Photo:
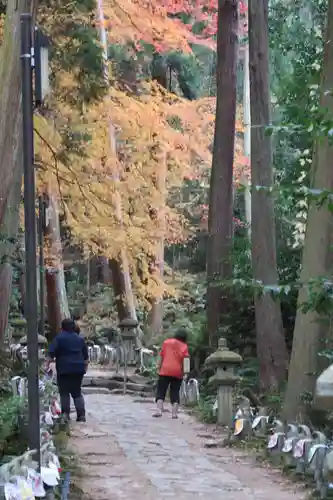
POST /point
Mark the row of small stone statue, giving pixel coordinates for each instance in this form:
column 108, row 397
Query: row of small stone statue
column 19, row 352
column 308, row 452
column 19, row 478
column 106, row 355
column 114, row 356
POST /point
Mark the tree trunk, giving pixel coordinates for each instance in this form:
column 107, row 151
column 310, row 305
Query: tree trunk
column 6, row 273
column 311, row 334
column 88, row 286
column 10, row 147
column 155, row 317
column 271, row 346
column 119, row 290
column 124, row 264
column 9, row 241
column 105, row 271
column 22, row 291
column 93, row 271
column 55, row 278
column 10, row 97
column 220, row 225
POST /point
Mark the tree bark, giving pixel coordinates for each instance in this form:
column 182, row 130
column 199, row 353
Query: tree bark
column 8, row 235
column 93, row 271
column 155, row 317
column 10, row 147
column 88, row 286
column 105, row 270
column 311, row 334
column 55, row 278
column 271, row 346
column 10, row 97
column 22, row 290
column 119, row 289
column 220, row 221
column 123, row 259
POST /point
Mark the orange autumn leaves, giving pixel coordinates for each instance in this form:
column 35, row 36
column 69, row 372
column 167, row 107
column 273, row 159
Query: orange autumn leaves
column 151, row 119
column 183, row 131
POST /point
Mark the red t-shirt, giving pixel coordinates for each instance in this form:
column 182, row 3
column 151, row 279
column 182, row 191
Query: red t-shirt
column 173, row 353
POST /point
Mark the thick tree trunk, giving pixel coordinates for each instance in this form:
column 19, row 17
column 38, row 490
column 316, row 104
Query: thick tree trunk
column 271, row 346
column 220, row 226
column 10, row 146
column 10, row 97
column 55, row 278
column 310, row 334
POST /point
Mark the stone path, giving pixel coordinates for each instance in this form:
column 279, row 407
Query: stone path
column 124, row 453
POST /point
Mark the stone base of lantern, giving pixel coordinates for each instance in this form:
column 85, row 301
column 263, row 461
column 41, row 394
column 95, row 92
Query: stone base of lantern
column 225, row 405
column 224, row 383
column 224, row 380
column 129, row 347
column 225, row 390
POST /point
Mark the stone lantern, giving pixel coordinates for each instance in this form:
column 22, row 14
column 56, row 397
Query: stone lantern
column 128, row 333
column 224, row 363
column 42, row 346
column 18, row 328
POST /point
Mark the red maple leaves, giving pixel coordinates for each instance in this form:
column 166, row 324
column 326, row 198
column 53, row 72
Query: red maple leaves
column 200, row 11
column 167, row 24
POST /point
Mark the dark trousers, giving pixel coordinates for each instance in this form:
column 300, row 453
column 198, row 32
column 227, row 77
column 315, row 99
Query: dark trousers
column 164, row 383
column 69, row 384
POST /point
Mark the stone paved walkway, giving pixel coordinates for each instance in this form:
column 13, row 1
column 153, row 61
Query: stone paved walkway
column 125, row 453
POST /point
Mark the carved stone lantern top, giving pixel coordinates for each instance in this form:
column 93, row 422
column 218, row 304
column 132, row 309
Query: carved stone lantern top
column 223, row 356
column 18, row 326
column 127, row 327
column 223, row 361
column 128, row 323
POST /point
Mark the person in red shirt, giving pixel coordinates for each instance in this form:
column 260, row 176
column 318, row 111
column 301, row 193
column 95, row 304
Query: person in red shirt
column 171, row 366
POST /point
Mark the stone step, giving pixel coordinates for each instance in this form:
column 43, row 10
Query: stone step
column 95, row 390
column 111, row 383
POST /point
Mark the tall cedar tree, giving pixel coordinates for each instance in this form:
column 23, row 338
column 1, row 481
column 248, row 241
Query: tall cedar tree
column 271, row 346
column 220, row 222
column 311, row 335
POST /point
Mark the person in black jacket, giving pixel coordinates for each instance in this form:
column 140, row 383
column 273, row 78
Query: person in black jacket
column 70, row 353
